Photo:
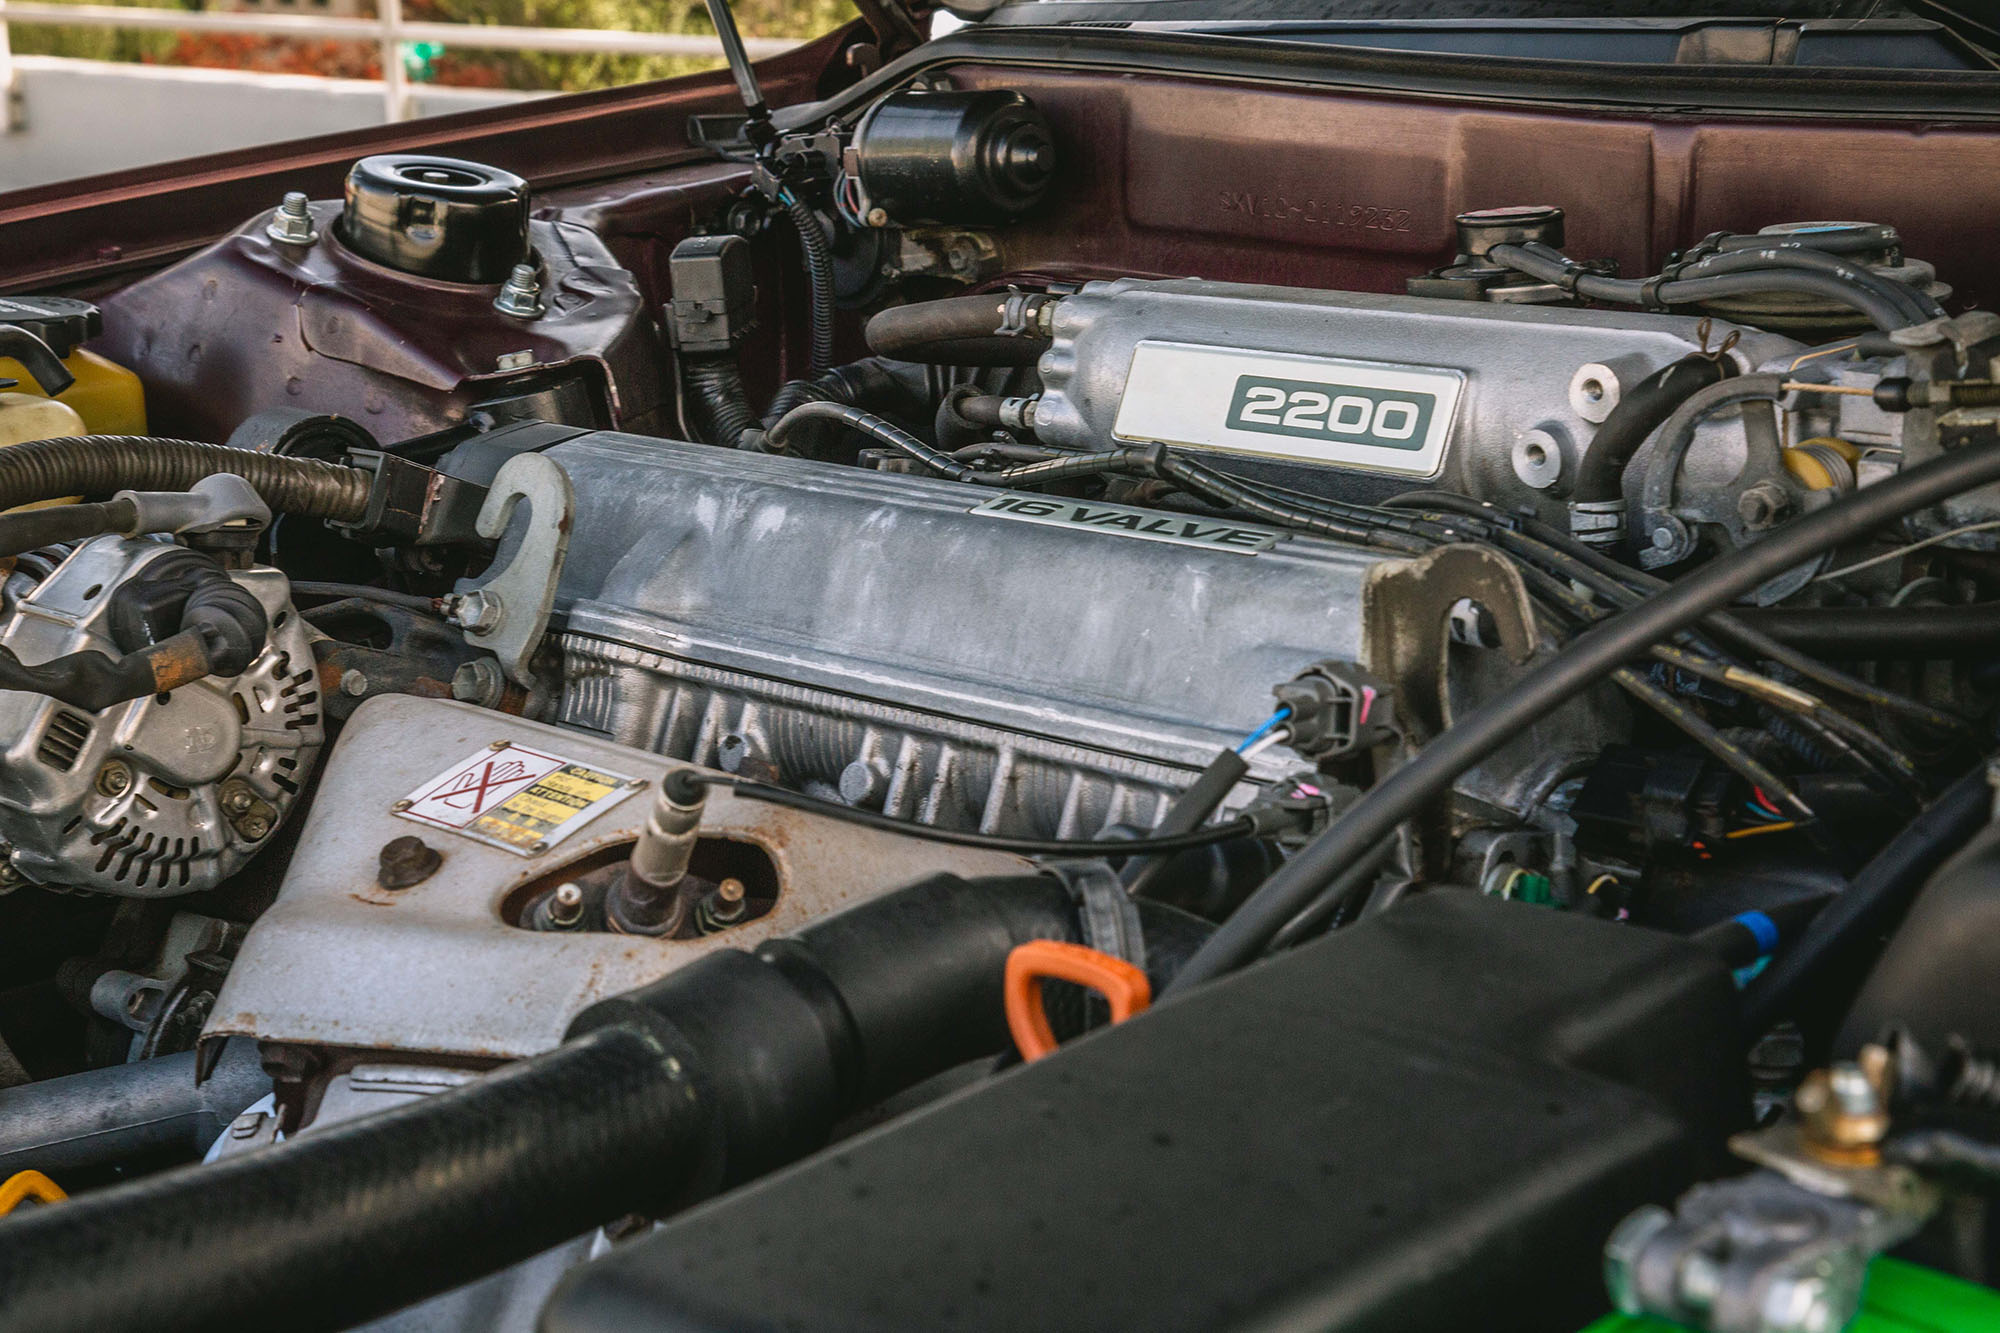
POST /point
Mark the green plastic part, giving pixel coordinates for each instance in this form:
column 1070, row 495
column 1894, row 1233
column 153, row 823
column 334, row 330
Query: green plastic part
column 1900, row 1298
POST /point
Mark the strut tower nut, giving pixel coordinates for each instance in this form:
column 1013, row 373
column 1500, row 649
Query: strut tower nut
column 407, row 861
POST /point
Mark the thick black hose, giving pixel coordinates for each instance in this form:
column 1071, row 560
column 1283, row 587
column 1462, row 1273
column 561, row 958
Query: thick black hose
column 97, row 464
column 957, row 331
column 1590, row 658
column 1874, row 633
column 1640, row 411
column 32, row 529
column 721, row 408
column 1821, row 972
column 818, row 258
column 51, row 376
column 343, row 1223
column 1551, row 266
column 724, row 1069
column 1916, row 306
column 148, row 1111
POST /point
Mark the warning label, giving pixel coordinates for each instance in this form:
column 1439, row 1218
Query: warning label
column 517, row 798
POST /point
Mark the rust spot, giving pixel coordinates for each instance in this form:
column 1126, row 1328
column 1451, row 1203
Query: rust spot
column 176, row 662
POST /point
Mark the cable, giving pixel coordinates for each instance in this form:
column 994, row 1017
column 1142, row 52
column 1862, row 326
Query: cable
column 1270, row 725
column 818, row 259
column 364, row 592
column 1594, row 655
column 1900, row 551
column 1242, row 826
column 1276, row 738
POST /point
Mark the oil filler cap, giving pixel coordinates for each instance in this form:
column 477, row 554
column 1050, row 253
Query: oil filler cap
column 436, row 217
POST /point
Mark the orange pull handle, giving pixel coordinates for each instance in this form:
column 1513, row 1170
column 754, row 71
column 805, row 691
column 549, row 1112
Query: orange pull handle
column 1122, row 984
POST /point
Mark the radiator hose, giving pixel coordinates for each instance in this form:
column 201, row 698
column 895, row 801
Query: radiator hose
column 737, row 1063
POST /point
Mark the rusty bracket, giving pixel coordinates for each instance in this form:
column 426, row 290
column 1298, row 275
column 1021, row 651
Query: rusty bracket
column 1407, row 609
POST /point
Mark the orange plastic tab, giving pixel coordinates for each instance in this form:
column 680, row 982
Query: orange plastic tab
column 24, row 1185
column 1120, row 983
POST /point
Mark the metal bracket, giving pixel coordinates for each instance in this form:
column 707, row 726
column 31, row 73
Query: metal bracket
column 1406, row 616
column 507, row 612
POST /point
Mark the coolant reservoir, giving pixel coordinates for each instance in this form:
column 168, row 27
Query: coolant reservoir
column 26, row 416
column 106, row 396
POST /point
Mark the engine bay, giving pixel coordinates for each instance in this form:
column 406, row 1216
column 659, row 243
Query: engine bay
column 593, row 692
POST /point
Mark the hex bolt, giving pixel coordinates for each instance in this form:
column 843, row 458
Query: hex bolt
column 475, row 612
column 1761, row 505
column 521, row 295
column 237, row 799
column 406, row 862
column 480, row 682
column 292, row 224
column 114, row 779
column 566, row 905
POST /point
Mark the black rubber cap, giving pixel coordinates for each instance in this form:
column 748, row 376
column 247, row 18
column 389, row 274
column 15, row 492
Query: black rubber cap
column 436, row 217
column 59, row 321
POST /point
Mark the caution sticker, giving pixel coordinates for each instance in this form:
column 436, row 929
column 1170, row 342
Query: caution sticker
column 513, row 797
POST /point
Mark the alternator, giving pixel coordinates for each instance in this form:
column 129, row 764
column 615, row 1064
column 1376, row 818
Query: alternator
column 166, row 794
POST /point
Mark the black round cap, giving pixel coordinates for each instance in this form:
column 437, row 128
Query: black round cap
column 436, row 217
column 60, row 322
column 1482, row 229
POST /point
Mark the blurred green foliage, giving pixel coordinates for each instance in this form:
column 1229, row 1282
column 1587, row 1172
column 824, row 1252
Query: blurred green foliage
column 464, row 64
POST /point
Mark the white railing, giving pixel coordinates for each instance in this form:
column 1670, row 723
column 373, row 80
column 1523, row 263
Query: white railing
column 388, row 30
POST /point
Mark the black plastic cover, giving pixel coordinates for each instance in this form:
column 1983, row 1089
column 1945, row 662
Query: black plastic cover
column 436, row 217
column 1430, row 1121
column 970, row 157
column 60, row 321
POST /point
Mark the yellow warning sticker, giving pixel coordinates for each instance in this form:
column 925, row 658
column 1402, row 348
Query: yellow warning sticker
column 517, row 798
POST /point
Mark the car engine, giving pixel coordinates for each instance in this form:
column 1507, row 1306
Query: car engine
column 581, row 691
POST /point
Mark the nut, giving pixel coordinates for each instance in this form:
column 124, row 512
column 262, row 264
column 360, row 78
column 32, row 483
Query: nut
column 1761, row 505
column 292, row 223
column 114, row 779
column 1843, row 1115
column 566, row 904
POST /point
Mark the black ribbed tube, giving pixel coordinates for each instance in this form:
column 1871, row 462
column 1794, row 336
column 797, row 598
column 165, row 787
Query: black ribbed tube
column 721, row 409
column 1591, row 657
column 96, row 464
column 354, row 1220
column 51, row 376
column 818, row 258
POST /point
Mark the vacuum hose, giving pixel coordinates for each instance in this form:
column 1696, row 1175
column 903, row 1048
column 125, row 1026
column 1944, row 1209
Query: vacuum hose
column 730, row 1066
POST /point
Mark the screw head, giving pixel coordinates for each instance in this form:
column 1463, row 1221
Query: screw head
column 499, row 745
column 538, row 848
column 877, row 217
column 114, row 779
column 399, row 806
column 254, row 827
column 354, row 682
column 730, row 891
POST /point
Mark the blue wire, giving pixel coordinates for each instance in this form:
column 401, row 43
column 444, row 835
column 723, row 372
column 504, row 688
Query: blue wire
column 1264, row 730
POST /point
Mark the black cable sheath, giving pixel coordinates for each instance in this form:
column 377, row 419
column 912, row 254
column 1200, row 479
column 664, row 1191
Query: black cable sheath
column 1594, row 655
column 100, row 464
column 818, row 258
column 1864, row 633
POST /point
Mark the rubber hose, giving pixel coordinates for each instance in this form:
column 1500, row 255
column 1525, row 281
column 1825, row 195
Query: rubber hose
column 339, row 1224
column 51, row 376
column 1600, row 475
column 96, row 464
column 818, row 257
column 1554, row 267
column 1587, row 660
column 1874, row 633
column 730, row 1066
column 1817, row 977
column 957, row 331
column 32, row 529
column 722, row 410
column 1917, row 306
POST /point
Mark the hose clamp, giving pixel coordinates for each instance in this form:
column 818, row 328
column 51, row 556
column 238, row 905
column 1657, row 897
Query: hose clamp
column 1105, row 911
column 1597, row 523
